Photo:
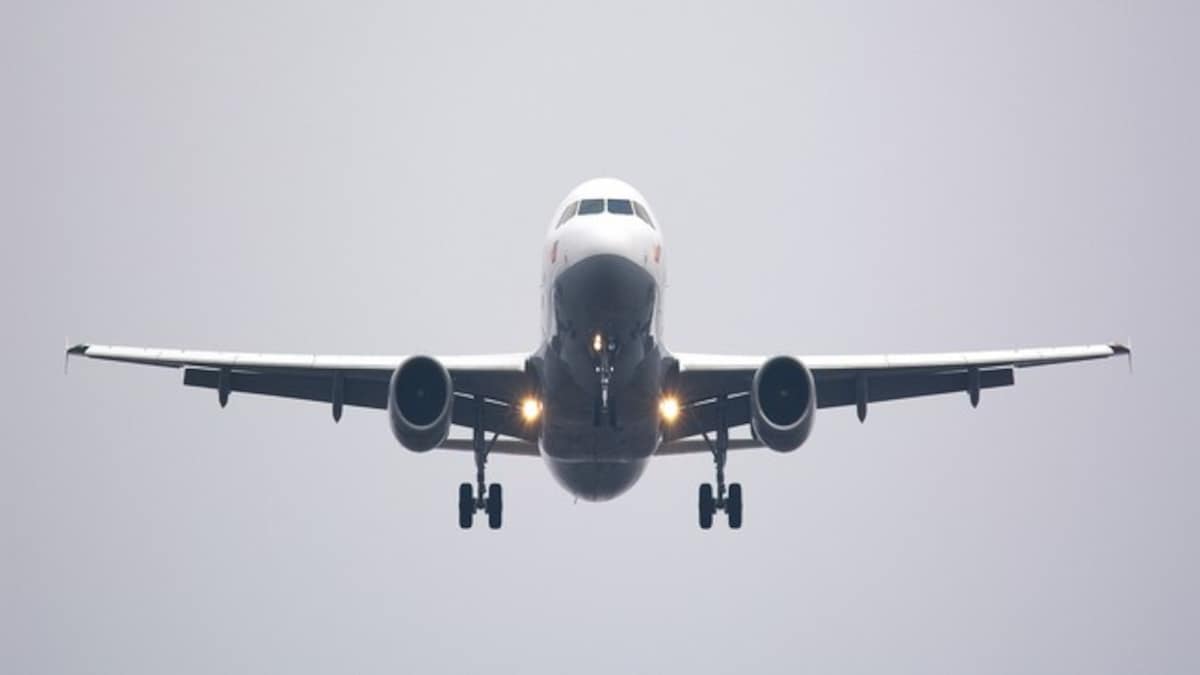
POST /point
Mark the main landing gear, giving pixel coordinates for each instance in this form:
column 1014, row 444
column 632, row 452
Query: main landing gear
column 729, row 501
column 489, row 499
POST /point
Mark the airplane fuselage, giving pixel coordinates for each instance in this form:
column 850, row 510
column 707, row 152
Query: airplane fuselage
column 602, row 357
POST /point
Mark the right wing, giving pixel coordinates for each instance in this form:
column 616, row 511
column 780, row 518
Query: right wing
column 860, row 380
column 498, row 380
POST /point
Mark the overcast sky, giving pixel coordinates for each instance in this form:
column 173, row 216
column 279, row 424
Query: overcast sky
column 831, row 178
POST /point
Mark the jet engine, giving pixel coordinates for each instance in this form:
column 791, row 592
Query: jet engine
column 420, row 402
column 783, row 398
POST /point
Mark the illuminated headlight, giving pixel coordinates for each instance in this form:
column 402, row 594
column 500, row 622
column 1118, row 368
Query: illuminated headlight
column 531, row 409
column 668, row 408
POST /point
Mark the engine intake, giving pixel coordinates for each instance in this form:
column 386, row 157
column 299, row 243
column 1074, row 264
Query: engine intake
column 420, row 402
column 783, row 397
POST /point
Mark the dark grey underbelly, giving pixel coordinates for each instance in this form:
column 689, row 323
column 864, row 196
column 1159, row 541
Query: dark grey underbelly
column 596, row 481
column 598, row 456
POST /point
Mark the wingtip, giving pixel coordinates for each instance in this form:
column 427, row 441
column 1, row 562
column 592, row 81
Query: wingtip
column 68, row 350
column 1125, row 348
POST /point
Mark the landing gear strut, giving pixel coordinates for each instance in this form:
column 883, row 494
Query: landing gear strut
column 482, row 498
column 604, row 410
column 727, row 500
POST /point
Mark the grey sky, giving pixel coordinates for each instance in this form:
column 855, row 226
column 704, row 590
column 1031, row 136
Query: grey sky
column 832, row 177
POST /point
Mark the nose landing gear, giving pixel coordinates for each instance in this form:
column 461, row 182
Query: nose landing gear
column 604, row 410
column 729, row 501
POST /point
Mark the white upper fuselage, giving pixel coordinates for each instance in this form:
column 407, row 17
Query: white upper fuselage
column 607, row 232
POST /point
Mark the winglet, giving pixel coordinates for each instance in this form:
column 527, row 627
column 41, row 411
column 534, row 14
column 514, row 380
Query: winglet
column 72, row 350
column 1125, row 348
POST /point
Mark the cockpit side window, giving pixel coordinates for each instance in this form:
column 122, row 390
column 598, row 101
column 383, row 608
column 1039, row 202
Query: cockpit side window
column 621, row 207
column 588, row 207
column 567, row 213
column 641, row 213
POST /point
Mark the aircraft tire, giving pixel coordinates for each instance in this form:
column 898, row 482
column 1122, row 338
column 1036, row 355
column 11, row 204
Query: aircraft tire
column 733, row 506
column 466, row 506
column 707, row 506
column 495, row 506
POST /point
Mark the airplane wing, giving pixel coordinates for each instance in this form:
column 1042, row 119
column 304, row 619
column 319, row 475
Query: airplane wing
column 499, row 379
column 859, row 380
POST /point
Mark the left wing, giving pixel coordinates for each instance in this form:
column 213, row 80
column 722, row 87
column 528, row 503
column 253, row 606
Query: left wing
column 499, row 380
column 861, row 380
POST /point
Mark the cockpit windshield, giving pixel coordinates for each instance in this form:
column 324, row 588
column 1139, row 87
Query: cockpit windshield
column 641, row 213
column 567, row 213
column 588, row 207
column 620, row 207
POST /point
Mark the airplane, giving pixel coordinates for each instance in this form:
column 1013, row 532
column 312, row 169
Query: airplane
column 602, row 394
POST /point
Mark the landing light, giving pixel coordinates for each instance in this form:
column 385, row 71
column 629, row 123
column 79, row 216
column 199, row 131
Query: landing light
column 668, row 407
column 531, row 408
column 598, row 343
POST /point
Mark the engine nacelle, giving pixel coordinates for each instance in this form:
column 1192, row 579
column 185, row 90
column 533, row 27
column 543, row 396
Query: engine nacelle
column 783, row 399
column 420, row 403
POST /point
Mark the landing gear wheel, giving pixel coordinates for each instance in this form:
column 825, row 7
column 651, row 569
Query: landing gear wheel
column 480, row 497
column 495, row 506
column 726, row 499
column 466, row 506
column 708, row 506
column 733, row 506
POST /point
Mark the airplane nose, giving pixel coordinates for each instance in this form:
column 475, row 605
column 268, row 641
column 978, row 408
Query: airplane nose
column 606, row 236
